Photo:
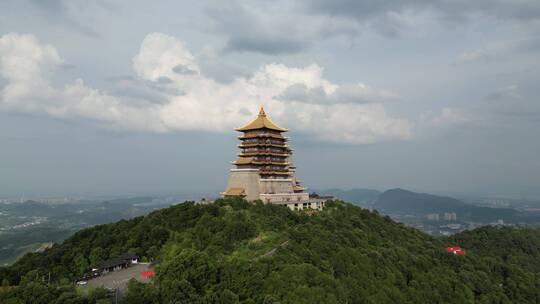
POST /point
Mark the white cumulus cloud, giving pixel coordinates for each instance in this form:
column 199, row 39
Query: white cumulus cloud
column 447, row 117
column 351, row 113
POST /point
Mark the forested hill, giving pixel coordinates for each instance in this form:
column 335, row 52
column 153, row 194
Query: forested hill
column 513, row 247
column 232, row 251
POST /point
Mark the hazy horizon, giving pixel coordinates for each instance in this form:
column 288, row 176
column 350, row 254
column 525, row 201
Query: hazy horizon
column 108, row 98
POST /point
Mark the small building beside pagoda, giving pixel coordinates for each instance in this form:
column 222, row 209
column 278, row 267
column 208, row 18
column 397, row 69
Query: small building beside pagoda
column 264, row 169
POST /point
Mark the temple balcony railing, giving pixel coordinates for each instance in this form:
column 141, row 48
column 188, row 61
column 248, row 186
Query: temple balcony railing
column 263, row 144
column 263, row 135
column 258, row 153
column 274, row 172
column 261, row 163
column 264, row 150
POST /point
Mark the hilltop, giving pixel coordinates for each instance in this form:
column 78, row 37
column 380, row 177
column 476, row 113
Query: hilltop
column 232, row 251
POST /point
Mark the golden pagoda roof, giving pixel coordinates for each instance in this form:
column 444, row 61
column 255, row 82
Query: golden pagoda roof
column 261, row 122
column 244, row 160
column 235, row 192
column 298, row 188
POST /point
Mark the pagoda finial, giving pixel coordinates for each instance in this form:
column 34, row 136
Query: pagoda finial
column 261, row 112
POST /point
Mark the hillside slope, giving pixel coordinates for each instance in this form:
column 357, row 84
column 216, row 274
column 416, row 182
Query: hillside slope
column 24, row 226
column 235, row 252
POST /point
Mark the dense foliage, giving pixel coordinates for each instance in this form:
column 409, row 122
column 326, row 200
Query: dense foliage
column 236, row 252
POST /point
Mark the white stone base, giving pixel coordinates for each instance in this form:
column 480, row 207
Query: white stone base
column 270, row 191
column 304, row 205
column 286, row 198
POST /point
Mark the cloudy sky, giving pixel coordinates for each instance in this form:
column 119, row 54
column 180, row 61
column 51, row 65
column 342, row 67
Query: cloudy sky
column 127, row 97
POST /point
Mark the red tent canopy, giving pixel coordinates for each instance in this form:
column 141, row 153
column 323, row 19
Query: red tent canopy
column 455, row 250
column 460, row 252
column 147, row 274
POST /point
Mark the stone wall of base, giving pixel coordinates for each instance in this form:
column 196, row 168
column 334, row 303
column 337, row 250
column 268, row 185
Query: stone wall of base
column 276, row 185
column 270, row 191
column 246, row 179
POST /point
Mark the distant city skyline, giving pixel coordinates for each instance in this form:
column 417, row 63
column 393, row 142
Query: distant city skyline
column 109, row 98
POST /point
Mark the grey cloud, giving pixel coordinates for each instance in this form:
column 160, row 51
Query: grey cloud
column 282, row 31
column 302, row 93
column 529, row 45
column 266, row 45
column 67, row 66
column 356, row 9
column 480, row 55
column 291, row 31
column 58, row 12
column 142, row 91
column 517, row 111
column 246, row 32
column 501, row 50
column 390, row 25
column 507, row 106
column 348, row 93
column 511, row 102
column 164, row 80
column 383, row 16
column 244, row 111
column 184, row 70
column 457, row 10
column 221, row 71
column 505, row 93
column 287, row 30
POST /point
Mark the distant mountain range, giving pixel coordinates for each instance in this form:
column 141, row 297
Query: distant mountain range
column 404, row 202
column 360, row 197
column 399, row 201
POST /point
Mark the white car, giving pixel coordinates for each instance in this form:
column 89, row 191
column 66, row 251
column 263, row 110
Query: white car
column 82, row 283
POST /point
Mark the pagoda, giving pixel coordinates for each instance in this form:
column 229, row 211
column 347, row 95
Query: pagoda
column 264, row 169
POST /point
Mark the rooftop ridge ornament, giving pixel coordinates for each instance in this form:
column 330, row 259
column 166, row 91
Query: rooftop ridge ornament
column 261, row 112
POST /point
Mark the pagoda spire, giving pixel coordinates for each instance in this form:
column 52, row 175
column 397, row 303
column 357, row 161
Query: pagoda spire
column 261, row 112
